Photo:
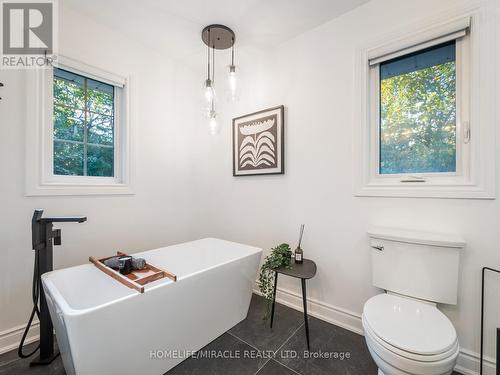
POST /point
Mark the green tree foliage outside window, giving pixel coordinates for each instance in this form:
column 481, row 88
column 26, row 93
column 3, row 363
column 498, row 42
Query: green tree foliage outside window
column 418, row 113
column 83, row 126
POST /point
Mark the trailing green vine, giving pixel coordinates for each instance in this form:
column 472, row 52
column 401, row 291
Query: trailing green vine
column 280, row 257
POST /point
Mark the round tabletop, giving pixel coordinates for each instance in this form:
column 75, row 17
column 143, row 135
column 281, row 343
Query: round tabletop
column 306, row 270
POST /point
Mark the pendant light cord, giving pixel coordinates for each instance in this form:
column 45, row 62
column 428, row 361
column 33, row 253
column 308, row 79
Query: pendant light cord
column 213, row 75
column 213, row 64
column 232, row 53
column 208, row 55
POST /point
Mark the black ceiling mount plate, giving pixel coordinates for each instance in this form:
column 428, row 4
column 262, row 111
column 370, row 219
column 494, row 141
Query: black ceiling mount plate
column 221, row 37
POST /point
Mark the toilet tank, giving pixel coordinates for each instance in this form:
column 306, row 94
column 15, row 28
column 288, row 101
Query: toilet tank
column 416, row 264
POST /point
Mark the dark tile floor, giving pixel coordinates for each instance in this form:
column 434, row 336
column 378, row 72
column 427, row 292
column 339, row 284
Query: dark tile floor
column 253, row 348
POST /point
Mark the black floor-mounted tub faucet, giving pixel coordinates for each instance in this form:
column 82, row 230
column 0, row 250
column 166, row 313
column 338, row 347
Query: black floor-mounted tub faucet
column 44, row 237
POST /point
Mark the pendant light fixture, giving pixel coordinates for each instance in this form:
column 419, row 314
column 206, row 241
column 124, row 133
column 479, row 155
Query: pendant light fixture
column 217, row 37
column 209, row 87
column 232, row 81
column 213, row 125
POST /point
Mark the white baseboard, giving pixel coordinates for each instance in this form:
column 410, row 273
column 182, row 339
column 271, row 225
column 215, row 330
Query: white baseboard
column 10, row 338
column 321, row 310
column 467, row 363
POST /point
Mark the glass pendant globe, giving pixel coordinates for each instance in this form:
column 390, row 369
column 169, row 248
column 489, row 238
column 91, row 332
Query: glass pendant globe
column 232, row 84
column 213, row 125
column 209, row 91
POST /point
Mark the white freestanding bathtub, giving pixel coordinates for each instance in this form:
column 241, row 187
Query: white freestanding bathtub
column 104, row 327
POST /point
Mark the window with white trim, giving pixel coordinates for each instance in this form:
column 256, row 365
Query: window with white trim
column 78, row 132
column 417, row 137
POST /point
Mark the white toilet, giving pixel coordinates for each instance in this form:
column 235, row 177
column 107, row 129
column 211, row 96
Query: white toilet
column 405, row 332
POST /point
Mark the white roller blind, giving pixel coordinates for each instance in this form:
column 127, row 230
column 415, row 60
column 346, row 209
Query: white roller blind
column 90, row 71
column 445, row 33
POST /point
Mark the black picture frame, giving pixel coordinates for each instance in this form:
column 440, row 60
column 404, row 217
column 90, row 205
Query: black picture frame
column 279, row 152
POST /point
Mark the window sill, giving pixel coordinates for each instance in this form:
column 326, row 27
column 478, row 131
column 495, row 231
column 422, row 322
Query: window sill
column 425, row 190
column 59, row 189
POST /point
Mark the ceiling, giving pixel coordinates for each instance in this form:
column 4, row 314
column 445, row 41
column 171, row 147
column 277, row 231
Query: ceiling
column 174, row 26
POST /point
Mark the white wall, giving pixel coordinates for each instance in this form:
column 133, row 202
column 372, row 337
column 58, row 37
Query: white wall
column 160, row 213
column 313, row 76
column 184, row 183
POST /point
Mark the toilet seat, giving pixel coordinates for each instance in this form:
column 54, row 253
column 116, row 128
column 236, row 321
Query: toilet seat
column 402, row 364
column 410, row 325
column 392, row 366
column 408, row 336
column 412, row 356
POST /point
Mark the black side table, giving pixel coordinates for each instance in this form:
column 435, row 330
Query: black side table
column 303, row 271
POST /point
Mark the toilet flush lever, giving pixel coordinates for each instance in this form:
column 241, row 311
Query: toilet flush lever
column 378, row 247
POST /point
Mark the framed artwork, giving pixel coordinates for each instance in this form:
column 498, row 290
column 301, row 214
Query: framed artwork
column 258, row 143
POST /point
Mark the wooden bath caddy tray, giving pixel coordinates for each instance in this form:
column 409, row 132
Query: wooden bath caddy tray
column 137, row 278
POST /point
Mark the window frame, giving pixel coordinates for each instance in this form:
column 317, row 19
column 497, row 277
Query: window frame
column 474, row 177
column 40, row 177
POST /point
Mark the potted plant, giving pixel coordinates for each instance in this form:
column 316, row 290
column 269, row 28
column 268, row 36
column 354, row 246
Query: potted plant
column 280, row 257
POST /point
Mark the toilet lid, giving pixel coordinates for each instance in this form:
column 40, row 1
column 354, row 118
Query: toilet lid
column 410, row 325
